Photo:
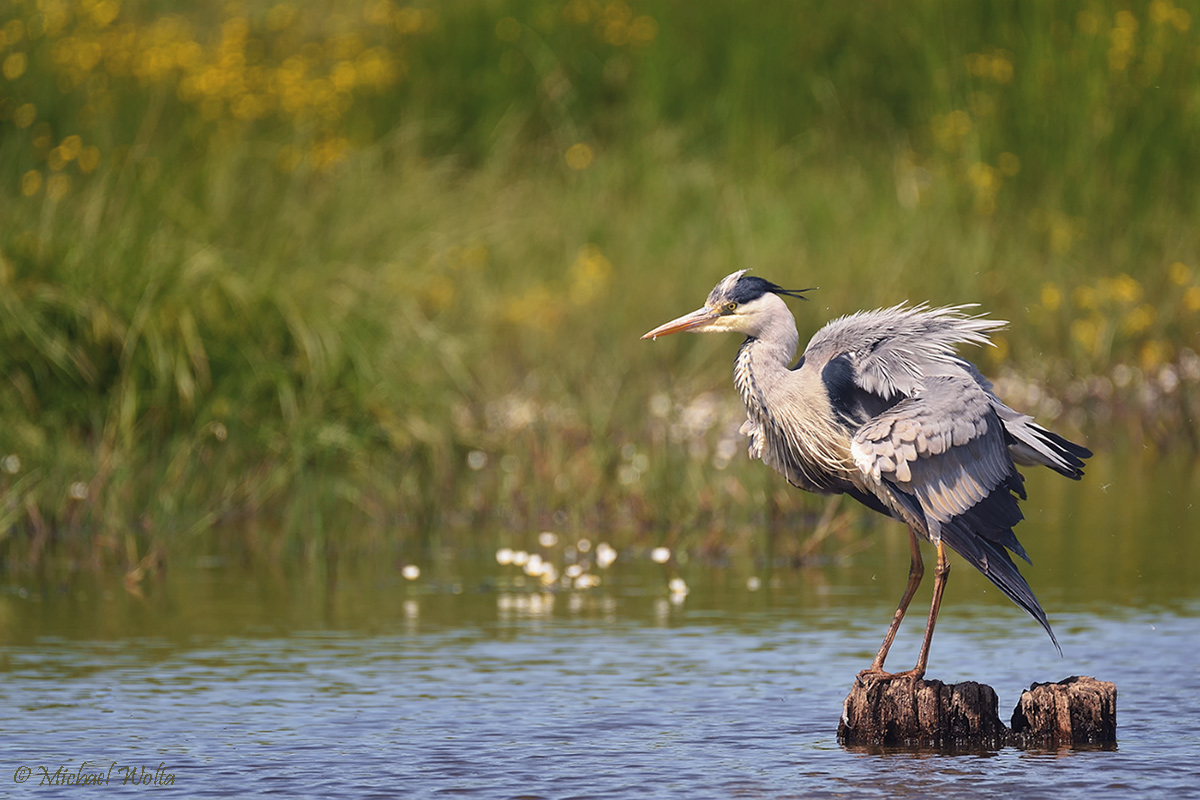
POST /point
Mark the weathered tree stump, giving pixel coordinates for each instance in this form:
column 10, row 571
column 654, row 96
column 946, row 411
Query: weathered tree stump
column 924, row 714
column 1078, row 710
column 921, row 714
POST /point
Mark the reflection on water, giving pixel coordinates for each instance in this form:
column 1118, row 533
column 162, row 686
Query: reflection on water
column 467, row 683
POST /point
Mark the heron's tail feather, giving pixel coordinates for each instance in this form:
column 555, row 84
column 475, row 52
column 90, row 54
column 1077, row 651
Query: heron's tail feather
column 1067, row 456
column 1033, row 446
column 992, row 560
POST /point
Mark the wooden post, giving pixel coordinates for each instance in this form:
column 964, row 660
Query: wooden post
column 923, row 714
column 1078, row 710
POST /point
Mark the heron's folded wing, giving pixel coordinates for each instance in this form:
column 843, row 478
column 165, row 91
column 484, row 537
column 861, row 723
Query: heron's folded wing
column 945, row 447
column 942, row 455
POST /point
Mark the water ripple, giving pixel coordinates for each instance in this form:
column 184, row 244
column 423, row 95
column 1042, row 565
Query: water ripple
column 566, row 708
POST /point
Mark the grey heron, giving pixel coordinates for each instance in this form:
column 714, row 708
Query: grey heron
column 881, row 407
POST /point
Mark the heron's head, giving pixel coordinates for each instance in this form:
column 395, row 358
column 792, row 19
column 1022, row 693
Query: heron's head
column 740, row 303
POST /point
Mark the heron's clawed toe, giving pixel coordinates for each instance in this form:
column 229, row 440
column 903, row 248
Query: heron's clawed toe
column 873, row 675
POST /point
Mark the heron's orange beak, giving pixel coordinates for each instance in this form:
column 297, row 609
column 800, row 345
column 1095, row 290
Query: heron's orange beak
column 688, row 322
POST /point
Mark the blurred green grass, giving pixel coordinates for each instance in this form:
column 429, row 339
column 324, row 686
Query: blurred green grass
column 354, row 273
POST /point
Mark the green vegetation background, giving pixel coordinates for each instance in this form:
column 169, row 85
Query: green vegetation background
column 304, row 275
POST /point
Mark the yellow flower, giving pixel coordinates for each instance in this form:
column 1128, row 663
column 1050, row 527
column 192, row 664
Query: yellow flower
column 949, row 130
column 1087, row 22
column 57, row 186
column 1085, row 297
column 14, row 65
column 986, row 180
column 580, row 12
column 1162, row 12
column 996, row 66
column 590, row 273
column 1086, row 332
column 328, row 152
column 1179, row 273
column 439, row 292
column 643, row 30
column 12, row 32
column 381, row 12
column 580, row 156
column 474, row 256
column 536, row 307
column 104, row 12
column 31, row 183
column 71, row 147
column 89, row 159
column 56, row 160
column 1062, row 234
column 1124, row 288
column 413, row 20
column 344, row 77
column 1154, row 354
column 984, row 177
column 1122, row 43
column 1051, row 297
column 1139, row 319
column 1002, row 68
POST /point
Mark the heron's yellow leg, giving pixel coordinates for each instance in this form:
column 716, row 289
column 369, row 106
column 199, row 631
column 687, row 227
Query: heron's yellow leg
column 916, row 571
column 940, row 574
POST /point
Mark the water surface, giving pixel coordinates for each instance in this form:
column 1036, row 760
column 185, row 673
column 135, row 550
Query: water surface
column 469, row 683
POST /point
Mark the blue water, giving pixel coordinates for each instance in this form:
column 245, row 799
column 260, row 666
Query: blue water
column 603, row 694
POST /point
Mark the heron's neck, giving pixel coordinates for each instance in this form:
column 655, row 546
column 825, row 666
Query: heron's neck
column 766, row 355
column 760, row 363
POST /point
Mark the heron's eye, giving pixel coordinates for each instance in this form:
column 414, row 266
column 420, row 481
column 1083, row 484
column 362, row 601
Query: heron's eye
column 731, row 306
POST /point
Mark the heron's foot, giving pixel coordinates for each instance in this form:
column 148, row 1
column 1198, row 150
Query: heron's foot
column 874, row 674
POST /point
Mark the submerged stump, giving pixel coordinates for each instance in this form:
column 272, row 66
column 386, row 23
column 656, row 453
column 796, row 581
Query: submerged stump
column 923, row 714
column 1078, row 710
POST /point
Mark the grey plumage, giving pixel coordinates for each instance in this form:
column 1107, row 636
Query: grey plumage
column 880, row 406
